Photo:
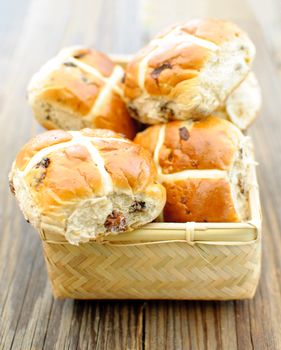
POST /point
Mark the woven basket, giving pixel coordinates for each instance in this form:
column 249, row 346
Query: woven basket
column 217, row 261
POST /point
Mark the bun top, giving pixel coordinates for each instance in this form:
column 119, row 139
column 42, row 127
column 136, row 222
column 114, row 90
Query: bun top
column 60, row 168
column 195, row 65
column 76, row 75
column 204, row 168
column 86, row 83
column 179, row 53
column 210, row 143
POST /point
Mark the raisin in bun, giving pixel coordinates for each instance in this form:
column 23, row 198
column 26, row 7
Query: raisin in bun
column 243, row 104
column 86, row 183
column 187, row 71
column 203, row 166
column 80, row 88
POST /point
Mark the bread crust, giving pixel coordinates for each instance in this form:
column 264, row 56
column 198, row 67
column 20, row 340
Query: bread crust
column 188, row 71
column 203, row 148
column 203, row 166
column 84, row 183
column 80, row 88
column 201, row 200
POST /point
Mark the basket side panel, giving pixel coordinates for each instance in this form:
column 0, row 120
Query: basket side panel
column 158, row 271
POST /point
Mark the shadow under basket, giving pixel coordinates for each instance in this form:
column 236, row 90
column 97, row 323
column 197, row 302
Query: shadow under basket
column 216, row 261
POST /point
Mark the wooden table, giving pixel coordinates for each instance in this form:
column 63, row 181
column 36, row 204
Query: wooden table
column 31, row 31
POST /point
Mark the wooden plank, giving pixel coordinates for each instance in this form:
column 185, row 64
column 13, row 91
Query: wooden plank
column 29, row 317
column 265, row 310
column 10, row 29
column 94, row 325
column 21, row 303
column 157, row 14
column 268, row 14
column 190, row 325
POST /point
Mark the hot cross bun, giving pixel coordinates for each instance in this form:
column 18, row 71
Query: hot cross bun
column 188, row 71
column 204, row 168
column 80, row 88
column 82, row 184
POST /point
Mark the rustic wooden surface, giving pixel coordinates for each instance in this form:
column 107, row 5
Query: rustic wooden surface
column 32, row 31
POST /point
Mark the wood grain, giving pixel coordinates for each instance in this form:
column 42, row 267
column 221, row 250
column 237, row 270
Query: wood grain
column 32, row 31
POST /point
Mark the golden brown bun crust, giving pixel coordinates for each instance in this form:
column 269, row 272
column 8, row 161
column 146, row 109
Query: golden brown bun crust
column 185, row 68
column 183, row 63
column 102, row 133
column 201, row 200
column 203, row 149
column 210, row 145
column 148, row 138
column 75, row 88
column 114, row 116
column 129, row 165
column 96, row 59
column 86, row 183
column 71, row 175
column 39, row 142
column 67, row 86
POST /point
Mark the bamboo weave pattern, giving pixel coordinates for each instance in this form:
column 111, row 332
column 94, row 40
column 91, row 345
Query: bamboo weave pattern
column 158, row 271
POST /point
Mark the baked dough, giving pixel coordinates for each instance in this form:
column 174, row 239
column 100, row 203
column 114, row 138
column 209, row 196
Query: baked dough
column 188, row 71
column 204, row 168
column 80, row 88
column 83, row 184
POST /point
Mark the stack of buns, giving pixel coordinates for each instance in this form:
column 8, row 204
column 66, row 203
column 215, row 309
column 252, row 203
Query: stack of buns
column 192, row 83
